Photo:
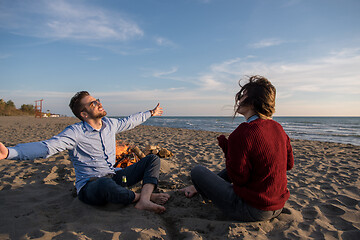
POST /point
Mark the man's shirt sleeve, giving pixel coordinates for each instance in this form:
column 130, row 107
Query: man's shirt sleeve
column 66, row 140
column 132, row 121
column 28, row 151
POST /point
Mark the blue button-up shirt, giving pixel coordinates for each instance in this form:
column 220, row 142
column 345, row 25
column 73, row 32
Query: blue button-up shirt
column 92, row 152
column 252, row 118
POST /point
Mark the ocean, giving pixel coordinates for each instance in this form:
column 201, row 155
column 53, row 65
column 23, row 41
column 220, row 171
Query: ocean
column 327, row 129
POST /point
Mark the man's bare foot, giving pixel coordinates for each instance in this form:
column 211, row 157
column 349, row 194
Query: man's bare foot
column 159, row 198
column 150, row 206
column 189, row 191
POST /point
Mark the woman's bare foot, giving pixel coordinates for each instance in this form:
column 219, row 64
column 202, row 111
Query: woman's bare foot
column 189, row 191
column 150, row 206
column 159, row 198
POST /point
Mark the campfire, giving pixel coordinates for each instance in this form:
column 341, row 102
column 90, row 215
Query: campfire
column 126, row 154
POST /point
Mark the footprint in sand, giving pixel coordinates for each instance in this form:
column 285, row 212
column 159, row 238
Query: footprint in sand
column 348, row 201
column 311, row 212
column 331, row 210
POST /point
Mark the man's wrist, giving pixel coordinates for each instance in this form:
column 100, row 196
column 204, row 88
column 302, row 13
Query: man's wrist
column 152, row 112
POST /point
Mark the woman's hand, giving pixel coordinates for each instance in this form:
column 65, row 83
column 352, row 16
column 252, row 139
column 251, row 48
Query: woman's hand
column 223, row 142
column 221, row 138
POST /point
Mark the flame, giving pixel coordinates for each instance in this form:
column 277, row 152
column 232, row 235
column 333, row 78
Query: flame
column 124, row 155
column 122, row 150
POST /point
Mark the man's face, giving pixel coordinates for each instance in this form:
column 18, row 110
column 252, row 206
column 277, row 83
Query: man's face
column 93, row 107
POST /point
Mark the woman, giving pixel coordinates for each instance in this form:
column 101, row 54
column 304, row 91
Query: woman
column 253, row 187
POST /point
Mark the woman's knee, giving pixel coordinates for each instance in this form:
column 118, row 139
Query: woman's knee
column 198, row 172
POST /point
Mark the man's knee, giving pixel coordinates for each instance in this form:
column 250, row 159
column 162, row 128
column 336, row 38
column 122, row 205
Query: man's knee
column 153, row 159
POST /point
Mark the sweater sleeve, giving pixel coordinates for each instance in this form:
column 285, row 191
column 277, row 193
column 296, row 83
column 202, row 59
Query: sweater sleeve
column 223, row 142
column 237, row 163
column 290, row 155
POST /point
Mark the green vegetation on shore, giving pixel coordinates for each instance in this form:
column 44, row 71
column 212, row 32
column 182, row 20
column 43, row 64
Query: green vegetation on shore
column 9, row 109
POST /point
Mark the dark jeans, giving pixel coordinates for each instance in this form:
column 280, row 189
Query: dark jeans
column 219, row 189
column 109, row 188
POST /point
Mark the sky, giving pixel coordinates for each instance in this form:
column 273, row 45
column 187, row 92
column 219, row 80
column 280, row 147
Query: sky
column 188, row 55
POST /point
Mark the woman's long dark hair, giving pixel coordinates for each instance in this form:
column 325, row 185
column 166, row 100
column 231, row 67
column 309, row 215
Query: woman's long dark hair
column 260, row 95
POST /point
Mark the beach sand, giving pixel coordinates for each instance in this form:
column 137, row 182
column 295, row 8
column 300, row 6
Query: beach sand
column 37, row 199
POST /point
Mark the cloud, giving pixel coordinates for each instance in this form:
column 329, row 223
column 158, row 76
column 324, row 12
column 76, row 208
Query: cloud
column 338, row 72
column 170, row 75
column 266, row 43
column 67, row 20
column 209, row 82
column 164, row 42
column 129, row 101
column 160, row 74
column 202, row 82
column 35, row 94
column 312, row 87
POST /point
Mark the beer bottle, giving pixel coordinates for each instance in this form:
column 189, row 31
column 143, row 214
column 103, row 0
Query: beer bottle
column 124, row 181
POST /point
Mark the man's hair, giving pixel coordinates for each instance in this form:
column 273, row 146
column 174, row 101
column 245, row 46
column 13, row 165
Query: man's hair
column 75, row 103
column 260, row 94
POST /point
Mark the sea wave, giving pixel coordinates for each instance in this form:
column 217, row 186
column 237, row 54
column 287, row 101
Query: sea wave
column 328, row 129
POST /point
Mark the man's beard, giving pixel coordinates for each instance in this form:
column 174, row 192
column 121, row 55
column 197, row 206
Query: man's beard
column 98, row 115
column 101, row 115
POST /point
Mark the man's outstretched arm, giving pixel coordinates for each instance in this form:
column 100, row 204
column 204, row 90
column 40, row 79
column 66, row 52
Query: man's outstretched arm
column 136, row 119
column 43, row 149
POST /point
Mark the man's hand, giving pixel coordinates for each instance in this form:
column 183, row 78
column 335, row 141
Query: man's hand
column 157, row 111
column 3, row 151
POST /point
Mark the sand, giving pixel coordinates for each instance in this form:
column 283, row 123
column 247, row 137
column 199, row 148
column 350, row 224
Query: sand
column 37, row 199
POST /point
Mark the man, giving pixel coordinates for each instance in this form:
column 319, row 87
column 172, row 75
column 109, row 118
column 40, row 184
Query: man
column 92, row 148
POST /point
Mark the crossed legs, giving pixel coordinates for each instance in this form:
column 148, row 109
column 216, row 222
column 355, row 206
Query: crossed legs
column 105, row 190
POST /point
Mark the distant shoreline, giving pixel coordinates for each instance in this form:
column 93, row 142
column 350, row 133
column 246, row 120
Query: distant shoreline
column 64, row 121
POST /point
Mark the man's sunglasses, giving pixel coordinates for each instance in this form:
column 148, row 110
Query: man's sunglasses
column 92, row 104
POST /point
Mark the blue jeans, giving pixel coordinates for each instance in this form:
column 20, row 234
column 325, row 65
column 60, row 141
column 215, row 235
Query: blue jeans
column 109, row 188
column 218, row 188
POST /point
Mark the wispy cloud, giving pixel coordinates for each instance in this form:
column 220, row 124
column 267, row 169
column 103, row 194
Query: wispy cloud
column 266, row 43
column 161, row 74
column 161, row 41
column 171, row 74
column 209, row 82
column 338, row 72
column 67, row 20
column 174, row 100
column 202, row 82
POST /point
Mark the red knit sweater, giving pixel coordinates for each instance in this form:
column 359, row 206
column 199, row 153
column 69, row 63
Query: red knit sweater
column 258, row 154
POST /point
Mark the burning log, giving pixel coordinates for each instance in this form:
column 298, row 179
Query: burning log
column 138, row 152
column 127, row 155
